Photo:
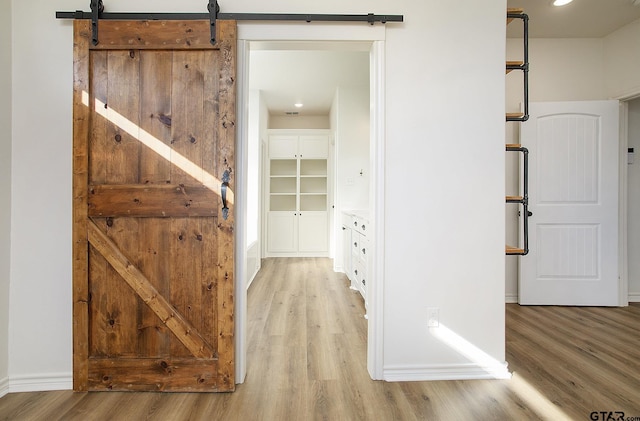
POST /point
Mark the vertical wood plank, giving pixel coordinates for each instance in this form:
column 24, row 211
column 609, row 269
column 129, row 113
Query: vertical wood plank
column 153, row 336
column 181, row 275
column 123, row 99
column 155, row 259
column 98, row 266
column 122, row 166
column 226, row 34
column 98, row 334
column 155, row 114
column 81, row 117
column 209, row 281
column 187, row 135
column 98, row 140
column 208, row 284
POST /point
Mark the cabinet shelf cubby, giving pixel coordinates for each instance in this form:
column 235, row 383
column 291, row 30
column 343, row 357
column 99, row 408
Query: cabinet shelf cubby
column 313, row 167
column 313, row 185
column 283, row 185
column 284, row 167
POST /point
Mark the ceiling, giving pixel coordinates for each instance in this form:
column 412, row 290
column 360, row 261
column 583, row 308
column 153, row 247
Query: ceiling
column 307, row 73
column 579, row 19
column 310, row 73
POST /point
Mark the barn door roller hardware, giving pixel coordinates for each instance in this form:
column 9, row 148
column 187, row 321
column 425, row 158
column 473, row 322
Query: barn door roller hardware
column 97, row 13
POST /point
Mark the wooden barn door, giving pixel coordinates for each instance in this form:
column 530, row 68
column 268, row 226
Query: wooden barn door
column 154, row 135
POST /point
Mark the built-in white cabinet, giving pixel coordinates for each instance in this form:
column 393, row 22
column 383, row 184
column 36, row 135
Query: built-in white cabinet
column 298, row 193
column 356, row 249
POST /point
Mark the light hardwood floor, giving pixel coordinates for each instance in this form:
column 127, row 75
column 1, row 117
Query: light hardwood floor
column 306, row 361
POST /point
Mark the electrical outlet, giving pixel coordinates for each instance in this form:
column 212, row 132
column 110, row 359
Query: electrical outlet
column 433, row 317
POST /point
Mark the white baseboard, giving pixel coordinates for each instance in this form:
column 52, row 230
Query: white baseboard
column 511, row 299
column 4, row 386
column 400, row 373
column 41, row 382
column 634, row 297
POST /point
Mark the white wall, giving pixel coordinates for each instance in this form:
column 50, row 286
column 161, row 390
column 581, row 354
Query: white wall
column 436, row 255
column 622, row 60
column 5, row 188
column 40, row 312
column 350, row 122
column 352, row 142
column 560, row 70
column 299, row 122
column 444, row 158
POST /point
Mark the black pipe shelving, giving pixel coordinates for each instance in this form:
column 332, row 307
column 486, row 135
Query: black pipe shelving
column 523, row 200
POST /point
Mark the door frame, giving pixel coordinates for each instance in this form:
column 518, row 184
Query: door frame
column 623, row 211
column 251, row 31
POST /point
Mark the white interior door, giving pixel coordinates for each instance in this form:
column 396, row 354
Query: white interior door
column 573, row 195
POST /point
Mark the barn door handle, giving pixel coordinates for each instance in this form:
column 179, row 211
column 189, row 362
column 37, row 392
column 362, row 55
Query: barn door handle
column 223, row 192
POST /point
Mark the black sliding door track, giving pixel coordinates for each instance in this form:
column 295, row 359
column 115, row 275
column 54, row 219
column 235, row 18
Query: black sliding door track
column 97, row 13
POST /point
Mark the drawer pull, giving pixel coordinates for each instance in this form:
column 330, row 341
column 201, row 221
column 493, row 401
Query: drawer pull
column 364, row 251
column 355, row 224
column 364, row 282
column 363, row 227
column 355, row 245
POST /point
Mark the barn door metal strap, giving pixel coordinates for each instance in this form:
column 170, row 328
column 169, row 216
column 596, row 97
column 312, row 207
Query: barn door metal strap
column 97, row 13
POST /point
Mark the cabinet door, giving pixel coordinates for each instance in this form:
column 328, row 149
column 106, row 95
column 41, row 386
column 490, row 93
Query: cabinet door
column 282, row 232
column 314, row 147
column 314, row 231
column 283, row 146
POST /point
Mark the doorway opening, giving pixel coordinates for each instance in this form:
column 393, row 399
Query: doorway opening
column 256, row 119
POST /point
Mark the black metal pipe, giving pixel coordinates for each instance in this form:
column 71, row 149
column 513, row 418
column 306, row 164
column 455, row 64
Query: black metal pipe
column 525, row 198
column 525, row 66
column 525, row 22
column 369, row 18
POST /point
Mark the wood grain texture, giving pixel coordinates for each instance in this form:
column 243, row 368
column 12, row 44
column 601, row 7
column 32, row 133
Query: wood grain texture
column 81, row 127
column 168, row 314
column 165, row 374
column 138, row 35
column 225, row 122
column 139, row 200
column 568, row 359
column 160, row 132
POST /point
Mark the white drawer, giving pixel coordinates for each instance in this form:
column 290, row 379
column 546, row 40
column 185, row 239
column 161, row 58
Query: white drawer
column 360, row 224
column 356, row 244
column 364, row 248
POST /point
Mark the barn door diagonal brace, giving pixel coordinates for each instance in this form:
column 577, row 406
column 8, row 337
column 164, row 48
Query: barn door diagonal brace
column 97, row 13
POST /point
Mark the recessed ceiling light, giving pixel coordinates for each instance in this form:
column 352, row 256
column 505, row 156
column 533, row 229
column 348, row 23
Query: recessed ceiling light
column 561, row 2
column 298, row 104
